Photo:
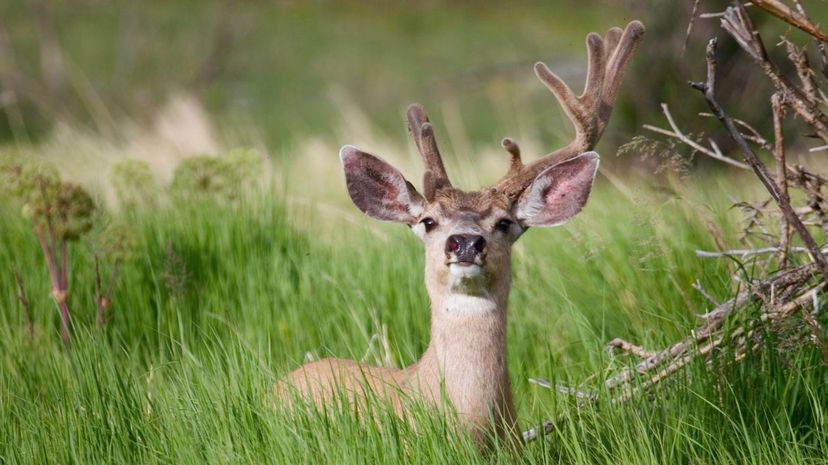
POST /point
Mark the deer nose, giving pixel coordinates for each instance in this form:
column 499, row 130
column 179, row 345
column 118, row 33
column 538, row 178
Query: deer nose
column 465, row 247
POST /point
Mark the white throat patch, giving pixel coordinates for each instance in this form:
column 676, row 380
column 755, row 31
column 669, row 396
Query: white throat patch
column 462, row 304
column 465, row 271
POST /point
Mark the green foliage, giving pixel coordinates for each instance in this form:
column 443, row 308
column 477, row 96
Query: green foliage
column 134, row 184
column 223, row 177
column 63, row 208
column 117, row 242
column 74, row 209
column 225, row 300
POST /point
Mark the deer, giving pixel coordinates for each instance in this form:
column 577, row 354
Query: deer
column 468, row 238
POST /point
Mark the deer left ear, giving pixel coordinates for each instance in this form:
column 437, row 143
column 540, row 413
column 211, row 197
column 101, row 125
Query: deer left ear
column 559, row 192
column 379, row 189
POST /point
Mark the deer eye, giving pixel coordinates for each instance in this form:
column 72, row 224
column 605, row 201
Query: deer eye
column 503, row 225
column 429, row 223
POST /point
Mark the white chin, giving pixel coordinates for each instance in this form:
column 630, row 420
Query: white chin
column 465, row 271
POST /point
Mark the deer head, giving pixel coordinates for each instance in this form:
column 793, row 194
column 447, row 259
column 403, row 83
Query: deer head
column 468, row 240
column 468, row 236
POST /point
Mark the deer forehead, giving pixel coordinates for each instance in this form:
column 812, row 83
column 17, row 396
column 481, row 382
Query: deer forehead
column 469, row 206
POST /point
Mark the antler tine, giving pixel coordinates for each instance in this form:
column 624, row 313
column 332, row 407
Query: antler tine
column 619, row 59
column 611, row 41
column 590, row 111
column 596, row 71
column 515, row 163
column 435, row 176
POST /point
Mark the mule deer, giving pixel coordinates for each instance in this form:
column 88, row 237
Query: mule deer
column 468, row 238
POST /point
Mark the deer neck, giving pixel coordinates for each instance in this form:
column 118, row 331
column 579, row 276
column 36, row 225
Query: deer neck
column 463, row 323
column 466, row 357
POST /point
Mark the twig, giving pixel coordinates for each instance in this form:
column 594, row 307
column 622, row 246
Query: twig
column 544, row 383
column 580, row 395
column 690, row 26
column 751, row 135
column 738, row 24
column 678, row 134
column 714, row 321
column 815, row 201
column 533, row 433
column 704, row 340
column 697, row 286
column 819, row 43
column 746, row 253
column 816, row 333
column 799, row 59
column 715, row 14
column 619, row 344
column 794, row 18
column 739, row 337
column 781, row 172
column 708, row 89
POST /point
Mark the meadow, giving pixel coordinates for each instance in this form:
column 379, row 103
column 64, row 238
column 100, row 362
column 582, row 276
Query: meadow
column 226, row 296
column 229, row 287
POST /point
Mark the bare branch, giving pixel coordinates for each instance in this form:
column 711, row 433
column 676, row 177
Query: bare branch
column 738, row 24
column 676, row 133
column 781, row 172
column 799, row 58
column 746, row 253
column 708, row 88
column 751, row 135
column 619, row 344
column 715, row 14
column 794, row 18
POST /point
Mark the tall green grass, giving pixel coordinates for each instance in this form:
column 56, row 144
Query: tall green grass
column 223, row 299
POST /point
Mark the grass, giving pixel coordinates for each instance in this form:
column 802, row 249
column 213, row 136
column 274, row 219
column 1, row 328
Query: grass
column 223, row 299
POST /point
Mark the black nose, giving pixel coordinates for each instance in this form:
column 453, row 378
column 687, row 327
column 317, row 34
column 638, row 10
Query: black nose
column 466, row 247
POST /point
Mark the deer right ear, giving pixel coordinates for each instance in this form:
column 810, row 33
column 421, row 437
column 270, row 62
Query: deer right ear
column 378, row 189
column 559, row 192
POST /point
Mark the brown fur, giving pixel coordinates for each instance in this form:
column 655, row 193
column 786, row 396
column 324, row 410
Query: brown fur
column 466, row 357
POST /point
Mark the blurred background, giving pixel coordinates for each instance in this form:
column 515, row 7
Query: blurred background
column 161, row 80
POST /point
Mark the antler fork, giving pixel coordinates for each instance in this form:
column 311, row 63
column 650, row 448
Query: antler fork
column 589, row 112
column 435, row 176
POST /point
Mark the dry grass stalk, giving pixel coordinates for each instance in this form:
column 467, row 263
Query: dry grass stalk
column 24, row 302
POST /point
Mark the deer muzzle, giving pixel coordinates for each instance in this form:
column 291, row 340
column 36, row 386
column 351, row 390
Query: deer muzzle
column 465, row 249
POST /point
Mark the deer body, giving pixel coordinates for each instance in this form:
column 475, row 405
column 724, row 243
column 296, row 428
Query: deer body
column 468, row 238
column 465, row 361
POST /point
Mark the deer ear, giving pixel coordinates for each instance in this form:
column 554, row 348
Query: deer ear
column 378, row 189
column 559, row 192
